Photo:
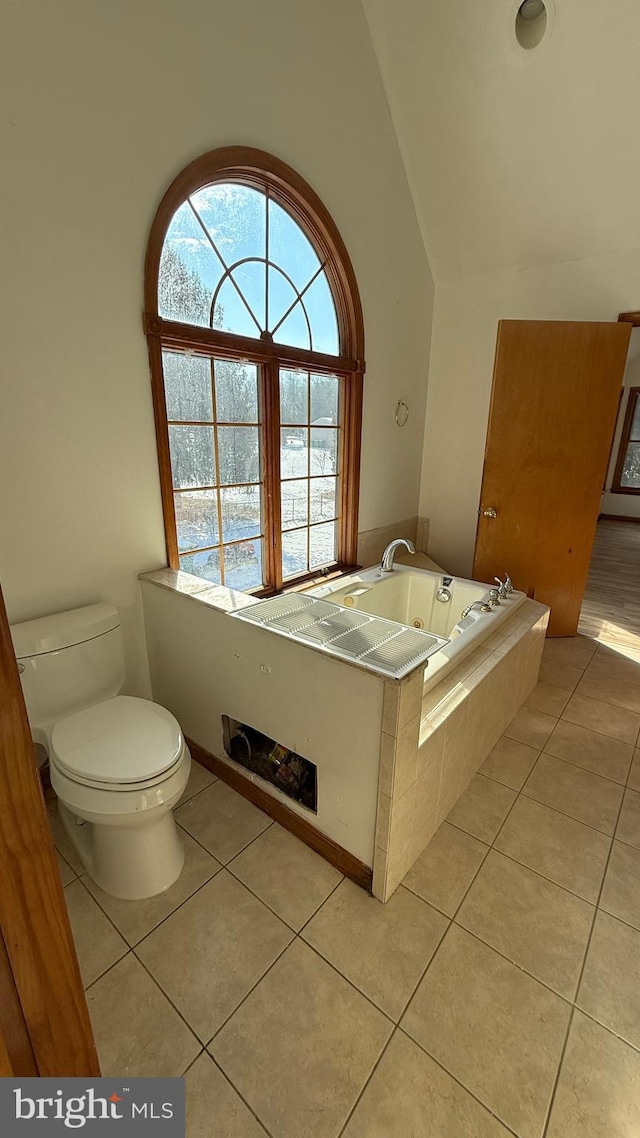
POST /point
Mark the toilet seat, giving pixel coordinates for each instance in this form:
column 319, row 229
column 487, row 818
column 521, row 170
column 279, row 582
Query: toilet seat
column 120, row 744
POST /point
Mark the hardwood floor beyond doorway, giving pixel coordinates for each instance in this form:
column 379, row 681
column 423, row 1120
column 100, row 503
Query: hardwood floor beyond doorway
column 611, row 605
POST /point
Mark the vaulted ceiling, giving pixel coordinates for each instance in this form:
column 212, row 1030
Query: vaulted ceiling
column 515, row 158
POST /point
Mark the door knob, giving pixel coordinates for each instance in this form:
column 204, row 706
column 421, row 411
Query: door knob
column 490, row 512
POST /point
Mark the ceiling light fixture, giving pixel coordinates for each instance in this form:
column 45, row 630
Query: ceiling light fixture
column 531, row 9
column 531, row 23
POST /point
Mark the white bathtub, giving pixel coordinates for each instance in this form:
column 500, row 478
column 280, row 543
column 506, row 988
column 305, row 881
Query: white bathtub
column 408, row 596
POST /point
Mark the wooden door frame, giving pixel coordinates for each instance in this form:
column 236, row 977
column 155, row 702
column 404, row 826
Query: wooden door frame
column 44, row 1020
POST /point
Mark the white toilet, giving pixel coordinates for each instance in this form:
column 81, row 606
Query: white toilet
column 118, row 764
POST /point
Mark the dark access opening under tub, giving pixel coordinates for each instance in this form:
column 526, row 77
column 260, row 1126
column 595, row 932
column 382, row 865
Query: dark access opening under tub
column 291, row 773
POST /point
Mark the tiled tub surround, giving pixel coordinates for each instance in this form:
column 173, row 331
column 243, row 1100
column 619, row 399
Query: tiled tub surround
column 433, row 744
column 391, row 761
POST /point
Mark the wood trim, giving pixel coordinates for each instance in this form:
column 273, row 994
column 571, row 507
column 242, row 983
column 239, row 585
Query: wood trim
column 630, row 318
column 164, row 453
column 273, row 504
column 33, row 915
column 209, row 341
column 14, row 1033
column 350, row 471
column 617, row 518
column 616, row 488
column 344, row 861
column 6, row 1066
column 252, row 167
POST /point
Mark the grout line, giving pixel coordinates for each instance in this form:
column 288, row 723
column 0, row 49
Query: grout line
column 571, row 892
column 367, row 1081
column 320, row 906
column 610, row 1031
column 201, row 1052
column 579, row 985
column 165, row 918
column 239, row 1094
column 247, row 994
column 169, row 1000
column 455, row 1079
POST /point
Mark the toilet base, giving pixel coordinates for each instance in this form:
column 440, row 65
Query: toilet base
column 129, row 862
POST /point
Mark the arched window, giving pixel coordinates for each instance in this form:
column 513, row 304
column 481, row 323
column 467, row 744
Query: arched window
column 255, row 340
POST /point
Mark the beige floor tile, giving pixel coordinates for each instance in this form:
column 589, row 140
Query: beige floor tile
column 603, row 717
column 135, row 919
column 614, row 689
column 137, row 1031
column 576, row 792
column 67, row 874
column 561, row 675
column 565, row 851
column 536, row 924
column 576, row 651
column 214, row 1109
column 510, row 762
column 301, row 1047
column 208, row 954
column 621, row 891
column 222, row 821
column 598, row 1094
column 410, row 1096
column 629, row 823
column 548, row 698
column 614, row 657
column 444, row 872
column 610, row 987
column 531, row 727
column 63, row 843
column 634, row 773
column 493, row 1027
column 382, row 949
column 289, row 877
column 199, row 778
column 594, row 752
column 98, row 945
column 482, row 808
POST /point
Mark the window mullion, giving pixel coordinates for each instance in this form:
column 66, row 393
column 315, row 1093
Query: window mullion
column 271, row 474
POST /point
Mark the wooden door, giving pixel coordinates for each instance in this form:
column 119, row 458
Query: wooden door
column 44, row 1022
column 556, row 388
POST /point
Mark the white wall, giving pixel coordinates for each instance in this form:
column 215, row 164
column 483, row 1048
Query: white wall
column 624, row 505
column 526, row 178
column 206, row 664
column 103, row 104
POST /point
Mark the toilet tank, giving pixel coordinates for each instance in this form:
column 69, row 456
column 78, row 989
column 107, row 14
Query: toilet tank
column 67, row 662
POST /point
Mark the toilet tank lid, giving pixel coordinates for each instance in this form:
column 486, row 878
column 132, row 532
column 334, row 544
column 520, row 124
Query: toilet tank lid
column 63, row 629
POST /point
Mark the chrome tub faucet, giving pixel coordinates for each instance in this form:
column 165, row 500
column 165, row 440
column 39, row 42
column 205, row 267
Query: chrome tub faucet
column 386, row 565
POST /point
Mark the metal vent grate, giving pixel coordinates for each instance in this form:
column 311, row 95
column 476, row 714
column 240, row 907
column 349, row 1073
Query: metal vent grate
column 384, row 646
column 334, row 627
column 277, row 607
column 404, row 650
column 365, row 639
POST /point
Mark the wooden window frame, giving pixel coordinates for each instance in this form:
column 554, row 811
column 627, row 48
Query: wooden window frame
column 258, row 169
column 632, row 403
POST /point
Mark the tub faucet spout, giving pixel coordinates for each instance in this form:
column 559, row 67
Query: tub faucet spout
column 386, row 565
column 482, row 605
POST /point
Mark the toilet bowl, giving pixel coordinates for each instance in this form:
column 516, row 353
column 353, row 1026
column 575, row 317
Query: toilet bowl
column 119, row 764
column 118, row 769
